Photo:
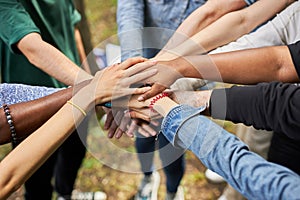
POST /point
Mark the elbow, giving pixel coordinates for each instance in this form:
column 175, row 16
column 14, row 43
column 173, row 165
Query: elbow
column 212, row 10
column 285, row 70
column 30, row 46
column 287, row 74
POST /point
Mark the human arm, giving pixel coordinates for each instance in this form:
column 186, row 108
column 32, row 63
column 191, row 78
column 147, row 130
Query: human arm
column 280, row 31
column 229, row 27
column 29, row 116
column 206, row 14
column 274, row 106
column 225, row 154
column 25, row 159
column 268, row 106
column 48, row 58
column 20, row 34
column 241, row 67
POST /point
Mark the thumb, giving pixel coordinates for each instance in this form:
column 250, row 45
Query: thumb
column 155, row 89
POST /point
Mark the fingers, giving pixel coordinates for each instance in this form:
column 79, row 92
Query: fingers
column 109, row 119
column 154, row 123
column 133, row 126
column 139, row 67
column 155, row 89
column 131, row 91
column 131, row 61
column 124, row 123
column 138, row 115
column 115, row 124
column 147, row 130
column 140, row 76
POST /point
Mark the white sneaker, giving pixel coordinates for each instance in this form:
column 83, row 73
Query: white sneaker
column 213, row 177
column 149, row 187
column 179, row 195
column 76, row 195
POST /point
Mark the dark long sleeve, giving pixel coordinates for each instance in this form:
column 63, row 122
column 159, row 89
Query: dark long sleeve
column 270, row 106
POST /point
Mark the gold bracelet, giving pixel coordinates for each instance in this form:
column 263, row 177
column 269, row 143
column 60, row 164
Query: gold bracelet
column 76, row 106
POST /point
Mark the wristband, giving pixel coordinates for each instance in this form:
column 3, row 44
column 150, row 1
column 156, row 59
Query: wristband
column 14, row 139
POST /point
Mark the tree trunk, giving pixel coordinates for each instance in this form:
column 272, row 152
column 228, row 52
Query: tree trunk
column 83, row 27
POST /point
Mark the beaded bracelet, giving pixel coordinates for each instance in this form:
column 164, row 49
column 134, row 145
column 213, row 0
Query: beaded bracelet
column 10, row 122
column 156, row 98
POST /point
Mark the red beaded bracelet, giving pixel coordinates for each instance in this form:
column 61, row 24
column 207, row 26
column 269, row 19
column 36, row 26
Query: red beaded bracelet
column 156, row 98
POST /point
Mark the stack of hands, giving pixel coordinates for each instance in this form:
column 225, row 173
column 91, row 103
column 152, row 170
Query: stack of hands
column 132, row 86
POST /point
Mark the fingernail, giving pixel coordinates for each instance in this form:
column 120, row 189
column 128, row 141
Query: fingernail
column 153, row 133
column 141, row 98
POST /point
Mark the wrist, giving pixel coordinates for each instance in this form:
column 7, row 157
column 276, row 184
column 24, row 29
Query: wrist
column 162, row 104
column 204, row 100
column 85, row 98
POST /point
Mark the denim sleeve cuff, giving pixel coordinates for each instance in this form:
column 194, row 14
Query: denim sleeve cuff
column 175, row 119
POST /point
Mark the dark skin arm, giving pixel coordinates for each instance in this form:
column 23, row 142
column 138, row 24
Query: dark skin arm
column 240, row 67
column 29, row 116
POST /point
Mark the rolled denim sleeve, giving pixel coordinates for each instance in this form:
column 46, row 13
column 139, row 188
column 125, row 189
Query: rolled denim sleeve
column 225, row 154
column 130, row 19
column 17, row 93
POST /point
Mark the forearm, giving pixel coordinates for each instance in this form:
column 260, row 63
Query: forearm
column 29, row 116
column 42, row 143
column 230, row 27
column 240, row 67
column 51, row 60
column 202, row 17
column 223, row 153
column 270, row 106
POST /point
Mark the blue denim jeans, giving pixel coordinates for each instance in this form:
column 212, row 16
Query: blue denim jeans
column 225, row 154
column 165, row 15
column 172, row 159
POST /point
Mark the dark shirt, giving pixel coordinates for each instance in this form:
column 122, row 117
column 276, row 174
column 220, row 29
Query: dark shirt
column 270, row 106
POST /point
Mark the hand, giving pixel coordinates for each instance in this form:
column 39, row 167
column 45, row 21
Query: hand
column 144, row 128
column 116, row 122
column 138, row 109
column 114, row 81
column 165, row 77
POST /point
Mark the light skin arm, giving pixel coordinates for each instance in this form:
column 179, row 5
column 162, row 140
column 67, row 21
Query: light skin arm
column 205, row 15
column 228, row 28
column 27, row 157
column 81, row 51
column 51, row 60
column 240, row 67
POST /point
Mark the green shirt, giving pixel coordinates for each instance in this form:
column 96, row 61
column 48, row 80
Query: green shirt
column 53, row 19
